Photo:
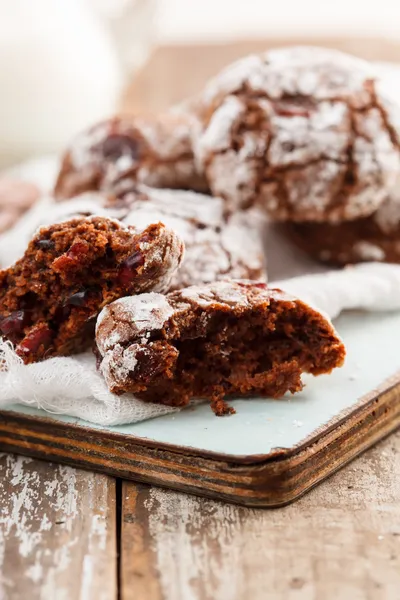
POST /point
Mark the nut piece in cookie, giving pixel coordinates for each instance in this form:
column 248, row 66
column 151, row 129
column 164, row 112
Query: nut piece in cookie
column 309, row 134
column 230, row 338
column 217, row 246
column 49, row 299
column 153, row 150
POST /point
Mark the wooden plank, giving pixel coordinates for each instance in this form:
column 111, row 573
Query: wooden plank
column 57, row 532
column 341, row 541
column 268, row 480
column 139, row 577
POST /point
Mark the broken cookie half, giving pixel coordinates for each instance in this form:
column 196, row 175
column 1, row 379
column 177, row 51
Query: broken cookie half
column 49, row 300
column 230, row 338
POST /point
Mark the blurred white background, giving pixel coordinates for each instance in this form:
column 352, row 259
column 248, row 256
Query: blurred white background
column 64, row 63
column 205, row 20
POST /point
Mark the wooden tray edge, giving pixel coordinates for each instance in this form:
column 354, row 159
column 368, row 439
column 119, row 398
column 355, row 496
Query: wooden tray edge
column 278, row 480
column 44, row 425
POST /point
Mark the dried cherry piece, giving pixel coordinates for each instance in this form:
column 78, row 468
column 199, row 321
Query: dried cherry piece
column 39, row 338
column 15, row 323
column 129, row 267
column 70, row 260
column 261, row 285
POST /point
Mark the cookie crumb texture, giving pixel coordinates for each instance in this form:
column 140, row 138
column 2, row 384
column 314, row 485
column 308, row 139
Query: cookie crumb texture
column 307, row 133
column 231, row 338
column 152, row 150
column 374, row 238
column 49, row 300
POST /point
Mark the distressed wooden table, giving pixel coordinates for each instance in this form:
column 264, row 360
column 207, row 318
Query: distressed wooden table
column 67, row 534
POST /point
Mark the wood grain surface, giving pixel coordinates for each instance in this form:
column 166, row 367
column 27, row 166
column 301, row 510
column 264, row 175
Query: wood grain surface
column 57, row 532
column 340, row 542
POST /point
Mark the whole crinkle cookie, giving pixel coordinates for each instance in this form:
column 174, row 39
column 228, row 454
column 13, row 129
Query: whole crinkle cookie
column 212, row 341
column 309, row 134
column 155, row 150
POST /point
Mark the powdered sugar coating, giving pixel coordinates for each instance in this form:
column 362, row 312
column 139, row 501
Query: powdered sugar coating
column 133, row 316
column 307, row 133
column 368, row 252
column 164, row 256
column 130, row 318
column 286, row 71
column 217, row 136
column 183, row 205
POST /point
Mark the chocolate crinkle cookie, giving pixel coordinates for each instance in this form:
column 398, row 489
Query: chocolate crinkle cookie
column 49, row 299
column 308, row 134
column 217, row 245
column 153, row 150
column 373, row 238
column 228, row 338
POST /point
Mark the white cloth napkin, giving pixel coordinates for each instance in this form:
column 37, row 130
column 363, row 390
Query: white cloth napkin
column 72, row 385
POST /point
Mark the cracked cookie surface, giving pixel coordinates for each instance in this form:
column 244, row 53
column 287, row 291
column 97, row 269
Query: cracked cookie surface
column 309, row 134
column 153, row 150
column 227, row 338
column 50, row 298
